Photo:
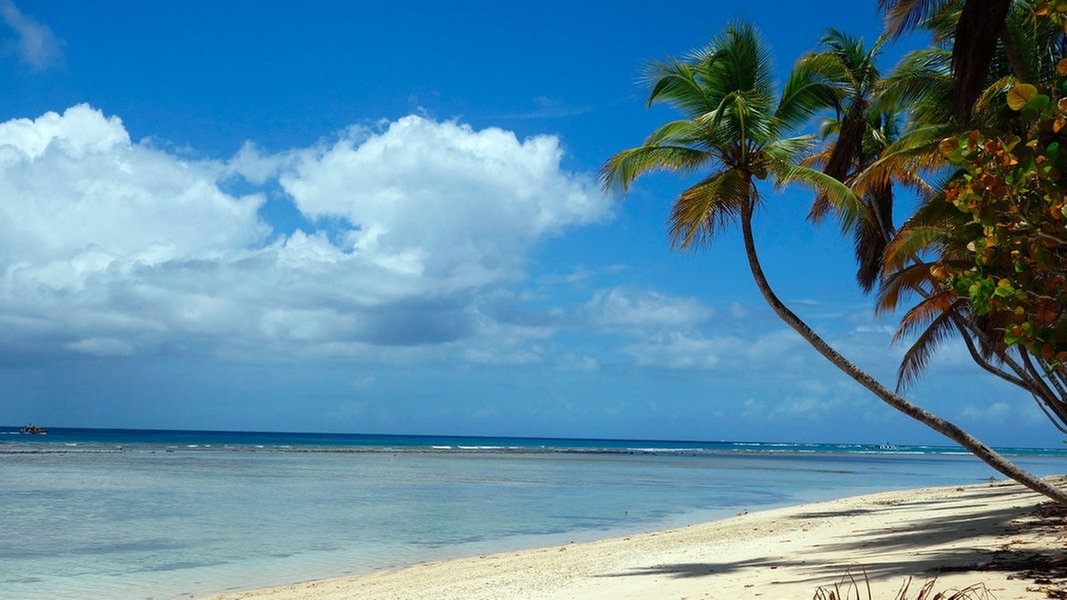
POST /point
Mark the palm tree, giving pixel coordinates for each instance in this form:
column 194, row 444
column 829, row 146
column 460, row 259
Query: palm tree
column 860, row 132
column 923, row 82
column 735, row 125
column 937, row 232
column 979, row 26
column 940, row 232
column 985, row 36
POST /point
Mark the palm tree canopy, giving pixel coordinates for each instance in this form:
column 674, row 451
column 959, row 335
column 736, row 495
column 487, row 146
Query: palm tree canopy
column 902, row 16
column 979, row 25
column 861, row 129
column 847, row 70
column 733, row 128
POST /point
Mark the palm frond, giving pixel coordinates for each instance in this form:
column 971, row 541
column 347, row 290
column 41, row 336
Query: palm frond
column 926, row 312
column 684, row 132
column 808, row 91
column 815, row 160
column 936, row 315
column 872, row 236
column 910, row 242
column 708, row 207
column 788, row 150
column 676, row 83
column 905, row 159
column 743, row 61
column 849, row 147
column 830, row 70
column 922, row 81
column 858, row 60
column 624, row 167
column 848, row 207
column 903, row 16
column 898, row 284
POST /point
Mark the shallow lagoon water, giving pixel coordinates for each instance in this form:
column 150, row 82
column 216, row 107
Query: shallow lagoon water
column 85, row 515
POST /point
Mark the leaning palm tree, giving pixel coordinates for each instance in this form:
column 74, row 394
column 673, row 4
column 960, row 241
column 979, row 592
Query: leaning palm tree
column 923, row 82
column 1029, row 49
column 931, row 240
column 736, row 125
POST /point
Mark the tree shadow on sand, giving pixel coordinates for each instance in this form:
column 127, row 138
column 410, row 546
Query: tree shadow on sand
column 922, row 541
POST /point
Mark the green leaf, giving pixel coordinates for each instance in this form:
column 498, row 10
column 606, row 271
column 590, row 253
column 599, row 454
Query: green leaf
column 1004, row 290
column 1037, row 103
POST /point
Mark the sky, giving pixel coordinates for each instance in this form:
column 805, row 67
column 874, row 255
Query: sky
column 386, row 218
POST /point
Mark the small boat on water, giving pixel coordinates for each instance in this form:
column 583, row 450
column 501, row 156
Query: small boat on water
column 33, row 429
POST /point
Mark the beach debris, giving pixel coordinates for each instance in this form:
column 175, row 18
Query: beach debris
column 851, row 588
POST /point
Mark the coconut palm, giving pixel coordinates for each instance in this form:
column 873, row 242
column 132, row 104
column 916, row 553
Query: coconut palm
column 985, row 37
column 937, row 232
column 859, row 132
column 979, row 26
column 735, row 126
column 922, row 82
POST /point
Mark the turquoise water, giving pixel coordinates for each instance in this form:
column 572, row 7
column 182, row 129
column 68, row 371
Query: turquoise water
column 142, row 514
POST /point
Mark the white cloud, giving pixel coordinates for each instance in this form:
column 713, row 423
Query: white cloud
column 37, row 46
column 682, row 351
column 102, row 347
column 441, row 199
column 739, row 312
column 812, row 408
column 365, row 381
column 1001, row 413
column 81, row 198
column 495, row 356
column 256, row 167
column 110, row 247
column 578, row 362
column 631, row 308
column 774, row 352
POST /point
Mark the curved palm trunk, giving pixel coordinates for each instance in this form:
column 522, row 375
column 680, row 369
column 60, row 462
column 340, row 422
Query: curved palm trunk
column 954, row 433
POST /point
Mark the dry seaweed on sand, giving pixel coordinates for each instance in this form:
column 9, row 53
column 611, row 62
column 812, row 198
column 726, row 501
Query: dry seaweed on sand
column 849, row 588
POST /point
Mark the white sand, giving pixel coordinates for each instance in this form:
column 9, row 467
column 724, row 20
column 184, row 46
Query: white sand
column 780, row 554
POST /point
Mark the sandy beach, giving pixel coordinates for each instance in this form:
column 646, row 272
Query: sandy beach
column 999, row 536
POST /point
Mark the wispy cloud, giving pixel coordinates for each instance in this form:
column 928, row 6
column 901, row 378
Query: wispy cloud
column 552, row 108
column 629, row 308
column 776, row 352
column 37, row 46
column 545, row 107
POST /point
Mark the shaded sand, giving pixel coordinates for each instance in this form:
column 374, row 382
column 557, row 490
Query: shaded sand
column 998, row 534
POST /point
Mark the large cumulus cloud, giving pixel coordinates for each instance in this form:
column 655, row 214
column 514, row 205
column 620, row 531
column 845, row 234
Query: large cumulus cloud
column 113, row 247
column 437, row 196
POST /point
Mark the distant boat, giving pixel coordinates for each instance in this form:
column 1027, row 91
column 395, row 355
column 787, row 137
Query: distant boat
column 33, row 429
column 886, row 447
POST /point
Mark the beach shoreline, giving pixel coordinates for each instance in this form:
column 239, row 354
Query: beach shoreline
column 997, row 535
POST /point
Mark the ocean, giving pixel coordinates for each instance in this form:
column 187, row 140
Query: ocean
column 131, row 514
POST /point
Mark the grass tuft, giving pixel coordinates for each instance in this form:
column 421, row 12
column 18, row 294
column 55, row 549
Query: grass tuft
column 849, row 588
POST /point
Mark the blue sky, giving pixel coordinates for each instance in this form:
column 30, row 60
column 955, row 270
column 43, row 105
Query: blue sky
column 385, row 217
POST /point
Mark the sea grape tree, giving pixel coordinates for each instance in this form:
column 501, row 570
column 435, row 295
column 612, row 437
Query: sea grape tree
column 1011, row 187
